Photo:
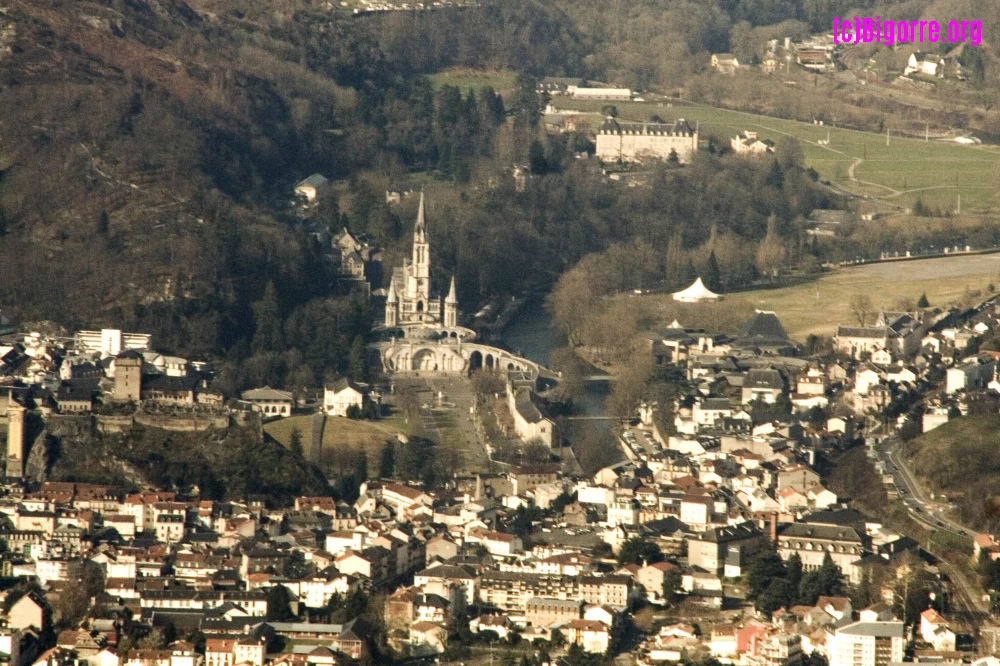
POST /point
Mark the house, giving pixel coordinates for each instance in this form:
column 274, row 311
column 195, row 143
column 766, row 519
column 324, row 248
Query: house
column 546, row 611
column 530, row 421
column 27, row 612
column 836, row 607
column 725, row 63
column 501, row 624
column 651, row 577
column 797, row 476
column 747, row 143
column 791, row 499
column 725, row 550
column 592, row 635
column 396, row 192
column 428, row 638
column 340, row 397
column 927, row 64
column 75, row 396
column 762, row 384
column 817, row 60
column 269, row 401
column 935, row 631
column 820, row 497
column 311, row 187
column 975, row 372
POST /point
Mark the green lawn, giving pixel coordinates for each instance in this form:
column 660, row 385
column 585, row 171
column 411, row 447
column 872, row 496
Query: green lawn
column 818, row 306
column 899, row 171
column 502, row 81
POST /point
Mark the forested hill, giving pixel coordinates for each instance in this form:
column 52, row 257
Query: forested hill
column 148, row 148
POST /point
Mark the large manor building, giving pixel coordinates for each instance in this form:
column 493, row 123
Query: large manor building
column 410, row 300
column 635, row 142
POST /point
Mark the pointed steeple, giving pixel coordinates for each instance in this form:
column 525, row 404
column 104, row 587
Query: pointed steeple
column 392, row 298
column 418, row 230
column 452, row 297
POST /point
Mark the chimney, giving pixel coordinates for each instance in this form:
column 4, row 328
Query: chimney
column 773, row 528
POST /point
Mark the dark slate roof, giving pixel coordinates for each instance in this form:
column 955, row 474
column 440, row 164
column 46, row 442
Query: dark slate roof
column 612, row 126
column 165, row 383
column 762, row 328
column 828, row 532
column 76, row 391
column 763, row 378
column 879, row 332
column 343, row 383
column 730, row 533
column 525, row 405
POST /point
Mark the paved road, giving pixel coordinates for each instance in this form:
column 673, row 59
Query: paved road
column 916, row 500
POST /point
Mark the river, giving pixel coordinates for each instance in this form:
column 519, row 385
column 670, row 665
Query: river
column 531, row 334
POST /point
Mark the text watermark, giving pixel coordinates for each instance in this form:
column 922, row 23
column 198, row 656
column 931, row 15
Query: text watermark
column 866, row 30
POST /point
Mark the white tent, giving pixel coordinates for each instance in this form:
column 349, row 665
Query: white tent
column 696, row 293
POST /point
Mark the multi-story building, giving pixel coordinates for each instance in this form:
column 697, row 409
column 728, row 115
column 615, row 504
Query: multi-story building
column 866, row 644
column 635, row 142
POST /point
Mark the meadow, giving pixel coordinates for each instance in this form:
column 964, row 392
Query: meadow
column 936, row 172
column 817, row 307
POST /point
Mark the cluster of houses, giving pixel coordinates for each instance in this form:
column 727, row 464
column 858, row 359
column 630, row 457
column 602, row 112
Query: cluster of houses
column 75, row 376
column 710, row 498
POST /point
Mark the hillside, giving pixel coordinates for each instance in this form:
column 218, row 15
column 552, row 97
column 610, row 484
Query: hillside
column 229, row 464
column 962, row 459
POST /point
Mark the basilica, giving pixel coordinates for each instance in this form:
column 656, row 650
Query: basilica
column 410, row 301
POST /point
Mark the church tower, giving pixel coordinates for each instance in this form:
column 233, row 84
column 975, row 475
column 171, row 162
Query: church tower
column 419, row 287
column 391, row 306
column 451, row 306
column 15, row 439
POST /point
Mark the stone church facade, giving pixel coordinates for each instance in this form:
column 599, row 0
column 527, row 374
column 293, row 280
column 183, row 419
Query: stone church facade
column 421, row 331
column 410, row 301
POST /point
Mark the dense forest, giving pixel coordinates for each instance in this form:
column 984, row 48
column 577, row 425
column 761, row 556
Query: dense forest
column 148, row 149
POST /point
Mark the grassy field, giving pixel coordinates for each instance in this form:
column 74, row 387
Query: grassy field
column 936, row 172
column 502, row 81
column 817, row 307
column 281, row 429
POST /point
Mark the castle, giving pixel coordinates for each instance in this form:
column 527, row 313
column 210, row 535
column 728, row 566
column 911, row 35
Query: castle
column 409, row 301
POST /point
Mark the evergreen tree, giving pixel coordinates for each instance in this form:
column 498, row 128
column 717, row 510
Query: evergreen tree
column 767, row 567
column 387, row 461
column 267, row 319
column 923, row 302
column 357, row 365
column 295, row 442
column 779, row 593
column 672, row 585
column 713, row 277
column 794, row 571
column 103, row 223
column 536, row 158
column 675, row 261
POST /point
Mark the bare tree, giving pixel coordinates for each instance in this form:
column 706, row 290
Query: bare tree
column 861, row 306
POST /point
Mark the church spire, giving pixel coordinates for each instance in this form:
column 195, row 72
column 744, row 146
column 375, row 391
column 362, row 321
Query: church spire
column 452, row 297
column 420, row 227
